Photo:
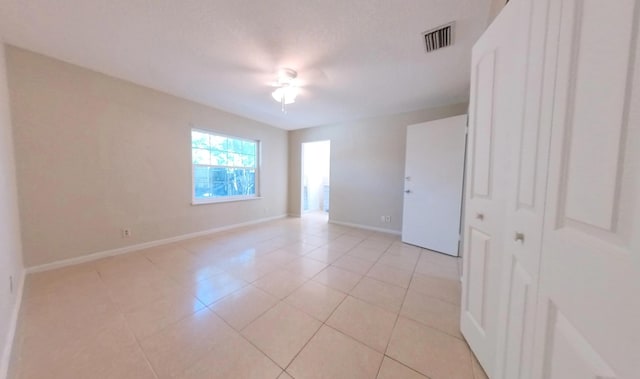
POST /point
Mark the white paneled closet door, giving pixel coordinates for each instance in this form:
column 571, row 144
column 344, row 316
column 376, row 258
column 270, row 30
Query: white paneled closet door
column 589, row 305
column 529, row 144
column 495, row 77
column 556, row 94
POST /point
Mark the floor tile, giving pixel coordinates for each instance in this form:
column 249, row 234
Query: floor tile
column 377, row 244
column 299, row 248
column 324, row 254
column 173, row 259
column 338, row 278
column 280, row 283
column 333, row 355
column 391, row 369
column 127, row 269
column 366, row 253
column 400, row 260
column 131, row 294
column 366, row 323
column 281, row 332
column 280, row 257
column 353, row 264
column 58, row 354
column 445, row 289
column 478, row 371
column 429, row 351
column 68, row 314
column 243, row 306
column 84, row 276
column 93, row 361
column 305, row 266
column 180, row 345
column 391, row 275
column 284, row 375
column 432, row 312
column 151, row 317
column 216, row 287
column 438, row 265
column 380, row 294
column 253, row 270
column 190, row 277
column 235, row 358
column 317, row 300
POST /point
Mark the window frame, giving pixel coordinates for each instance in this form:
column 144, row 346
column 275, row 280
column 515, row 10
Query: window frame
column 224, row 199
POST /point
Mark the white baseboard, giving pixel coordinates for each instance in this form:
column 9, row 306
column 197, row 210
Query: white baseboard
column 5, row 360
column 366, row 227
column 144, row 245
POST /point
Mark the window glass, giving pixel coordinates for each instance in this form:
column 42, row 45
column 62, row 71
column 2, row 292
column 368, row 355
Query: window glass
column 224, row 168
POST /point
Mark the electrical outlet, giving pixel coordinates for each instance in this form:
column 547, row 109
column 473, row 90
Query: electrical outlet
column 126, row 233
column 387, row 219
column 10, row 283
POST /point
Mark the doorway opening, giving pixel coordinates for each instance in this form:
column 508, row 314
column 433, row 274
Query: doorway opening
column 315, row 185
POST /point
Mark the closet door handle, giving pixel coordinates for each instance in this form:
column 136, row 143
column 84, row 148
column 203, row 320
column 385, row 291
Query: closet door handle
column 480, row 216
column 519, row 237
column 407, row 191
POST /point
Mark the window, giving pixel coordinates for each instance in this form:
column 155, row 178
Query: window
column 224, row 168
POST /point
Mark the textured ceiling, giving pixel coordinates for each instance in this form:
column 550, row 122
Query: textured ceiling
column 355, row 58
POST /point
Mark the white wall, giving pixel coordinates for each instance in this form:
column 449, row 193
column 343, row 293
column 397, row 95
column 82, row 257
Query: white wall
column 97, row 154
column 367, row 165
column 10, row 248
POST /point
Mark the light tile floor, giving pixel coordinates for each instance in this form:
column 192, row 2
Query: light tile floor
column 294, row 298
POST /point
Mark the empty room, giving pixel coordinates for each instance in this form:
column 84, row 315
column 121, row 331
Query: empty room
column 357, row 189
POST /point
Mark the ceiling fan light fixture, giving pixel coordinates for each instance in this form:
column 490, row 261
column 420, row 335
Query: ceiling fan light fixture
column 287, row 90
column 288, row 94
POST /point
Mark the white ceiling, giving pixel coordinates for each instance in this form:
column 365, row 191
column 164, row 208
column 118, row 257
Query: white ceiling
column 355, row 58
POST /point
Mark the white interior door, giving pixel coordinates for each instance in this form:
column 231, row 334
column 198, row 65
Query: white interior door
column 496, row 75
column 434, row 170
column 589, row 304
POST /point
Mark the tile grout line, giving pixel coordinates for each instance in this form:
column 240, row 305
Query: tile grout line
column 324, row 323
column 402, row 364
column 121, row 313
column 386, row 350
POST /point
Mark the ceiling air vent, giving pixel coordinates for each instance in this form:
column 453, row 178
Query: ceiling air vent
column 439, row 37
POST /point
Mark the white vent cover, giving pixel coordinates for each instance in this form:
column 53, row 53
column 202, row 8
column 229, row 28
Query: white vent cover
column 439, row 37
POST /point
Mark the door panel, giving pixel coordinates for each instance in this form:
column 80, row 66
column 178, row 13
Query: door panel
column 594, row 123
column 520, row 305
column 482, row 146
column 589, row 305
column 480, row 245
column 570, row 355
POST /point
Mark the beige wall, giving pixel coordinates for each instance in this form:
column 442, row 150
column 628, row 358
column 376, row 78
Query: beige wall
column 367, row 166
column 96, row 154
column 10, row 248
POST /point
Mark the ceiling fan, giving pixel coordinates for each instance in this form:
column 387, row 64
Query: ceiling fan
column 286, row 88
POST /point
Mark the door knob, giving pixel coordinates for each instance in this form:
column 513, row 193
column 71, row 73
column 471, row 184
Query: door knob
column 519, row 237
column 407, row 191
column 480, row 216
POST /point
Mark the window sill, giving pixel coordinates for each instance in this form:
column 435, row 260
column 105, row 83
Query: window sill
column 224, row 200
